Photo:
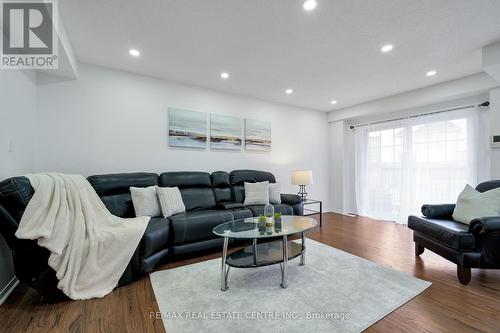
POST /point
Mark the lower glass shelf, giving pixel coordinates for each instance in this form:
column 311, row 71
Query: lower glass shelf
column 266, row 254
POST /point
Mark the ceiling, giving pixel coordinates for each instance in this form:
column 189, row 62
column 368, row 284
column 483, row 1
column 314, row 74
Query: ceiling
column 267, row 46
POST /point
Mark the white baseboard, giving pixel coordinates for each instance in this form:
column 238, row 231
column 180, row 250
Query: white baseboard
column 9, row 288
column 338, row 212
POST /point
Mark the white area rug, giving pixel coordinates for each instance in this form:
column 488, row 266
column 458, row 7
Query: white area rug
column 334, row 292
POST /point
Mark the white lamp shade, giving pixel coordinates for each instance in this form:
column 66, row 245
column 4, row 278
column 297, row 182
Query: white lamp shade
column 302, row 177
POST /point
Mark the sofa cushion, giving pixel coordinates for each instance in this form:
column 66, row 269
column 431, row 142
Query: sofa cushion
column 279, row 208
column 275, row 193
column 121, row 182
column 291, row 199
column 195, row 226
column 256, row 193
column 170, row 201
column 237, row 179
column 472, row 204
column 119, row 204
column 241, row 213
column 489, row 185
column 145, row 201
column 114, row 190
column 184, row 179
column 221, row 186
column 196, row 188
column 230, row 205
column 15, row 193
column 155, row 237
column 220, row 179
column 450, row 233
column 238, row 193
column 222, row 194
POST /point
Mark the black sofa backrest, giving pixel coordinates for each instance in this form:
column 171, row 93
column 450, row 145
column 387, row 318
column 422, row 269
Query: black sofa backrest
column 221, row 186
column 196, row 188
column 238, row 178
column 114, row 190
column 199, row 190
column 15, row 193
column 489, row 185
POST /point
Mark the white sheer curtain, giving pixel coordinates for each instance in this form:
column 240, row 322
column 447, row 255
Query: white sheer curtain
column 400, row 165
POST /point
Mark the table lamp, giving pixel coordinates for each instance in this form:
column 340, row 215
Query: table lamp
column 302, row 178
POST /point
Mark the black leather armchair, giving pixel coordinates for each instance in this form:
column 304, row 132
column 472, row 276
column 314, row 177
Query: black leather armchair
column 476, row 245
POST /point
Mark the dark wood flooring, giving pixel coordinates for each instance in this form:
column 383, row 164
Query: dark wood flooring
column 446, row 306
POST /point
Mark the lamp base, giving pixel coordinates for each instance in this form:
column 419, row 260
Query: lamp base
column 302, row 192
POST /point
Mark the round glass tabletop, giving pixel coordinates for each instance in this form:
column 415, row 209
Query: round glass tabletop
column 251, row 228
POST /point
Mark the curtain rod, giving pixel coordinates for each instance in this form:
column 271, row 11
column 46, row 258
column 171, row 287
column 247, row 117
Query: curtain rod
column 484, row 104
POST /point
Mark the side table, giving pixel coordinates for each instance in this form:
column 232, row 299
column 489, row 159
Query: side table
column 308, row 211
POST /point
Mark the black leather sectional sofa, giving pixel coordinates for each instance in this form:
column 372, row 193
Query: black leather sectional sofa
column 210, row 199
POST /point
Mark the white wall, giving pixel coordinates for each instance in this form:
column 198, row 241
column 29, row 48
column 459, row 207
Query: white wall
column 17, row 121
column 440, row 93
column 337, row 155
column 495, row 130
column 110, row 121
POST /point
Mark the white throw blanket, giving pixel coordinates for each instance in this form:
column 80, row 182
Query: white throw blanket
column 90, row 248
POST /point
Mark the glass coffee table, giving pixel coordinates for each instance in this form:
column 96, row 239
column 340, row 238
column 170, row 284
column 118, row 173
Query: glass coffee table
column 266, row 253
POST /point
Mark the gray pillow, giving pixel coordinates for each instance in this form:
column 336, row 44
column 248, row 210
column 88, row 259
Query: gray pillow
column 472, row 204
column 275, row 193
column 145, row 201
column 256, row 193
column 170, row 201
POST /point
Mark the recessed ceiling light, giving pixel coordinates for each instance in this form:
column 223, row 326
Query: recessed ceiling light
column 224, row 75
column 134, row 52
column 431, row 73
column 309, row 5
column 289, row 91
column 333, row 102
column 387, row 48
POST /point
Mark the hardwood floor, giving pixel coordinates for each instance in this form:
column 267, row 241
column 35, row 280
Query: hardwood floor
column 446, row 306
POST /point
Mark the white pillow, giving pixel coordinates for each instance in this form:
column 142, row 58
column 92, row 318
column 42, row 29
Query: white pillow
column 145, row 201
column 274, row 193
column 472, row 204
column 256, row 193
column 170, row 201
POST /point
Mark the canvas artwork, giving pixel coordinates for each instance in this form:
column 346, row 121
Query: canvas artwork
column 257, row 135
column 187, row 128
column 225, row 132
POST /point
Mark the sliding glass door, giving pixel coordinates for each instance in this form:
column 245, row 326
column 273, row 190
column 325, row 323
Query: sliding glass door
column 403, row 164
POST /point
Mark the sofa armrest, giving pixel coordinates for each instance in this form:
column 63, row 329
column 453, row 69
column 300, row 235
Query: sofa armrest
column 485, row 225
column 486, row 231
column 230, row 205
column 438, row 212
column 290, row 199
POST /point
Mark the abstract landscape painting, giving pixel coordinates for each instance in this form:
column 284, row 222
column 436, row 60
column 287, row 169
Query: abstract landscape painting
column 225, row 132
column 257, row 135
column 187, row 128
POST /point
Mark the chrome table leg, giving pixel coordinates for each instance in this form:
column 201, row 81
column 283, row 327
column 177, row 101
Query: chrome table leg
column 284, row 274
column 227, row 274
column 254, row 245
column 223, row 276
column 303, row 255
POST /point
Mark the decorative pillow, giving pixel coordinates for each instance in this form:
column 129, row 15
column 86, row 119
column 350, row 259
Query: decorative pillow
column 274, row 193
column 256, row 193
column 145, row 201
column 472, row 204
column 170, row 201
